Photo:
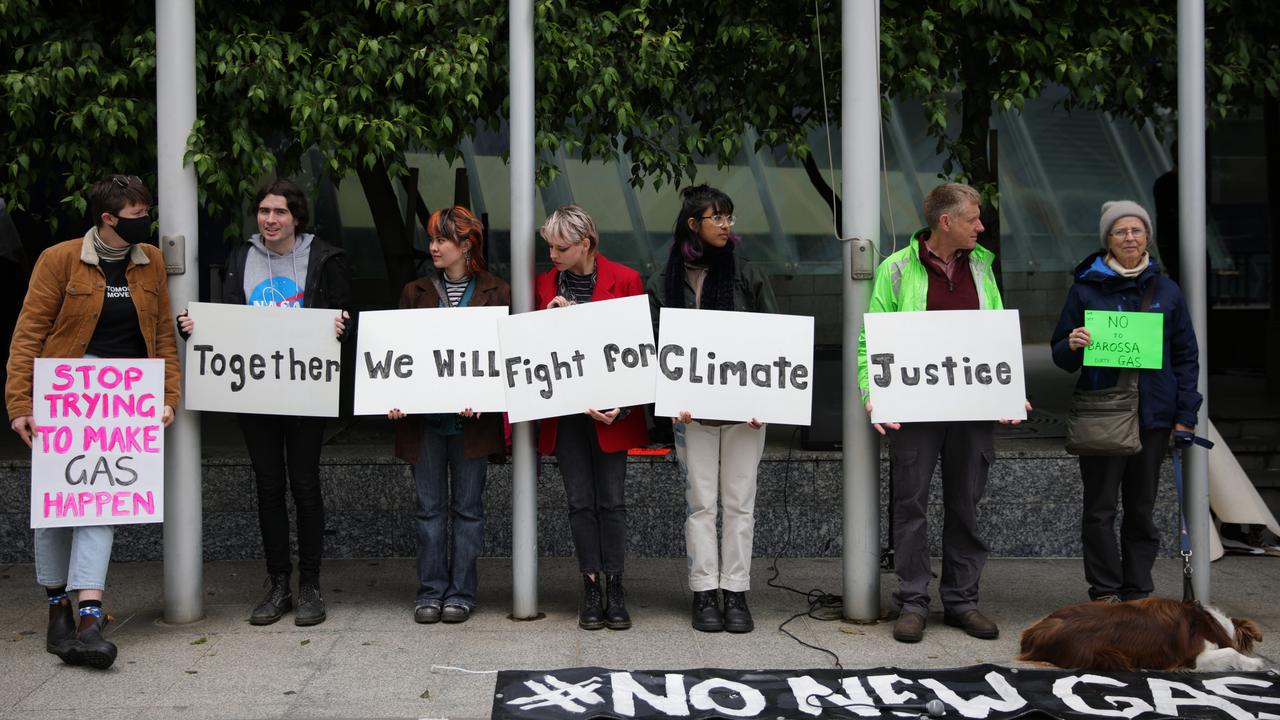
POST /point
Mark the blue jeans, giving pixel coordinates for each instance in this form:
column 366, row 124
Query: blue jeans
column 74, row 556
column 447, row 574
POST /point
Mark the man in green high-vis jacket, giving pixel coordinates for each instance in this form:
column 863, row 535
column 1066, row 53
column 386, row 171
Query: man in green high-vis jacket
column 943, row 268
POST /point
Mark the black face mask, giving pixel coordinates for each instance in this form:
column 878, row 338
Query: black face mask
column 134, row 230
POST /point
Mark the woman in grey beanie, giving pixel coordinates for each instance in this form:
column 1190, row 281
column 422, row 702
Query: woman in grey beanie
column 1118, row 278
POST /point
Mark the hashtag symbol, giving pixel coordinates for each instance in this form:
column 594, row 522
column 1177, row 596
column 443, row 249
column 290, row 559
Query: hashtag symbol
column 560, row 694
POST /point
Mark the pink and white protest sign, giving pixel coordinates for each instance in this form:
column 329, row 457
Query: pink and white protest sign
column 98, row 455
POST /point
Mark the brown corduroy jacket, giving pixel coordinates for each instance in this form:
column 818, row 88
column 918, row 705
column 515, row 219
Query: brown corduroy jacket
column 481, row 436
column 60, row 312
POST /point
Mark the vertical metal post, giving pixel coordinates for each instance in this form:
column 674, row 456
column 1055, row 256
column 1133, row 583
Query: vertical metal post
column 524, row 489
column 1192, row 228
column 860, row 168
column 183, row 507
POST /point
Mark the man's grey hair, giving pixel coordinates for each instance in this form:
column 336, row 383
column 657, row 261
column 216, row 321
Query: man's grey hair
column 948, row 199
column 571, row 224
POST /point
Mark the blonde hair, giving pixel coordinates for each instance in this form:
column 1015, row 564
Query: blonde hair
column 573, row 225
column 948, row 199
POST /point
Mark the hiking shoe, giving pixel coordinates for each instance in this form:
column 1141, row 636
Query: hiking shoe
column 277, row 601
column 310, row 609
column 737, row 617
column 706, row 611
column 591, row 611
column 616, row 616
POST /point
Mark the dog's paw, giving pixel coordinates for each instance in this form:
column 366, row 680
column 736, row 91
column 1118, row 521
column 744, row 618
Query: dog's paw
column 1251, row 664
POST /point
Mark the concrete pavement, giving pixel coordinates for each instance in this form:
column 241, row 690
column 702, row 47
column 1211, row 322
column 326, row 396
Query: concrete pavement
column 369, row 660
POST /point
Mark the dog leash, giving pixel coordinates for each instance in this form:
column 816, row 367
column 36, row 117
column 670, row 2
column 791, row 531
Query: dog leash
column 1181, row 441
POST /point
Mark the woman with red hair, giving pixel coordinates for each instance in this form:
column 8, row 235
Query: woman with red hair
column 450, row 451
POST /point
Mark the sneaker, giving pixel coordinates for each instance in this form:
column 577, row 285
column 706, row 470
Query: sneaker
column 62, row 627
column 909, row 627
column 616, row 616
column 454, row 613
column 89, row 647
column 310, row 606
column 1108, row 599
column 427, row 613
column 277, row 601
column 591, row 612
column 737, row 617
column 706, row 611
column 974, row 623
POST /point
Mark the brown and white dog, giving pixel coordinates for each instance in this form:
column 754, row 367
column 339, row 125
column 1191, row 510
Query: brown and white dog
column 1149, row 634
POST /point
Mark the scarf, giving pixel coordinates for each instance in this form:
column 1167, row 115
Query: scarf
column 717, row 288
column 1123, row 271
column 106, row 253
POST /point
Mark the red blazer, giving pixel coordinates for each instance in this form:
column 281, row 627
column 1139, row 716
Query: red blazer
column 612, row 281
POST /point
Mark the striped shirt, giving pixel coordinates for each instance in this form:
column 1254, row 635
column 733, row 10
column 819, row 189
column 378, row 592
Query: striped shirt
column 455, row 289
column 578, row 288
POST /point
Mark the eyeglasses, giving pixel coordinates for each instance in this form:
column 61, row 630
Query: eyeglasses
column 721, row 220
column 124, row 181
column 1135, row 233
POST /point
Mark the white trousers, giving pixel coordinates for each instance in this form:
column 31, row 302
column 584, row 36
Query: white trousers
column 719, row 463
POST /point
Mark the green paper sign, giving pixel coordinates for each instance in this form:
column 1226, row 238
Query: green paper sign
column 1124, row 339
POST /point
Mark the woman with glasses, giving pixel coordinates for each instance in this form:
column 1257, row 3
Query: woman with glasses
column 591, row 447
column 1124, row 277
column 105, row 295
column 720, row 459
column 450, row 449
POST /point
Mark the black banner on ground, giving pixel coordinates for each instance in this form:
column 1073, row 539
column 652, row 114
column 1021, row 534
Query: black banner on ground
column 988, row 692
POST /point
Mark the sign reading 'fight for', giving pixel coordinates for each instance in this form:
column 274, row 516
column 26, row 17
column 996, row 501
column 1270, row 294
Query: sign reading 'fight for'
column 945, row 365
column 98, row 454
column 1124, row 339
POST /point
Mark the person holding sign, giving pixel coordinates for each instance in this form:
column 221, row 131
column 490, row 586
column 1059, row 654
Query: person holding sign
column 591, row 448
column 281, row 266
column 105, row 295
column 943, row 268
column 720, row 459
column 450, row 449
column 1124, row 278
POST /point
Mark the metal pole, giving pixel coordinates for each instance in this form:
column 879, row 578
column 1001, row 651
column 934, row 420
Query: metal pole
column 860, row 167
column 1192, row 226
column 524, row 460
column 176, row 98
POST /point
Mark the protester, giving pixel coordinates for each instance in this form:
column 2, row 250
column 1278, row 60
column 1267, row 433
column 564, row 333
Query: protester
column 1117, row 278
column 943, row 268
column 282, row 266
column 450, row 449
column 105, row 295
column 591, row 448
column 719, row 459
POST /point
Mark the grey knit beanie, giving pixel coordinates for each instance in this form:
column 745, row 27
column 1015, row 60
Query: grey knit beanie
column 1113, row 210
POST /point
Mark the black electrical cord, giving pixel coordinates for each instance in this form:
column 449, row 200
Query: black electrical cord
column 823, row 605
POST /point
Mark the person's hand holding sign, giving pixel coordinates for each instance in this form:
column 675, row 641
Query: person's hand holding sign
column 340, row 323
column 1027, row 404
column 1077, row 340
column 880, row 427
column 607, row 417
column 26, row 427
column 684, row 418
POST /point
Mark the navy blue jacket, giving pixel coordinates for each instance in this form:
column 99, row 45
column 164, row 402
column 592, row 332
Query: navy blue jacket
column 1165, row 396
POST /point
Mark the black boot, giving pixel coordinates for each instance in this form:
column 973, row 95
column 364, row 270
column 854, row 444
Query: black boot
column 616, row 616
column 277, row 601
column 89, row 647
column 310, row 605
column 706, row 611
column 737, row 618
column 62, row 627
column 591, row 612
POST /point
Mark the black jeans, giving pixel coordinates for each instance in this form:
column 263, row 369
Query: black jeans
column 276, row 442
column 594, row 484
column 1123, row 569
column 966, row 451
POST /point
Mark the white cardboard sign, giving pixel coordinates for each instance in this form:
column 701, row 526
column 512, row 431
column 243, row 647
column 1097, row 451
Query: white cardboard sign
column 98, row 457
column 945, row 365
column 563, row 361
column 735, row 366
column 431, row 360
column 265, row 360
